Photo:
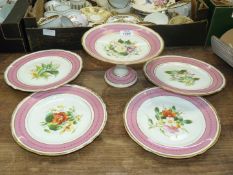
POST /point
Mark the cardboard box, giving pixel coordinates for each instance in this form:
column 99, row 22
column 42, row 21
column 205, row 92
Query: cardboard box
column 54, row 38
column 12, row 35
column 220, row 19
column 70, row 38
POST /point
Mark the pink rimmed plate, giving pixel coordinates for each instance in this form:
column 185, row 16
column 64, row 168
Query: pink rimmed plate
column 122, row 43
column 43, row 70
column 59, row 121
column 171, row 125
column 184, row 75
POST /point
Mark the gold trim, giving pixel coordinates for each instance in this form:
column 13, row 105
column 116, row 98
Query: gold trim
column 31, row 90
column 122, row 62
column 95, row 10
column 176, row 20
column 126, row 14
column 17, row 140
column 180, row 91
column 212, row 143
column 45, row 20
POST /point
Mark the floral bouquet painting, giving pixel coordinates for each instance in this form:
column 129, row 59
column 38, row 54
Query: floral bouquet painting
column 122, row 48
column 169, row 121
column 61, row 119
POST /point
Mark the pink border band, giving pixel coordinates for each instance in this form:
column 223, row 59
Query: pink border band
column 131, row 76
column 206, row 139
column 217, row 78
column 92, row 37
column 72, row 58
column 27, row 140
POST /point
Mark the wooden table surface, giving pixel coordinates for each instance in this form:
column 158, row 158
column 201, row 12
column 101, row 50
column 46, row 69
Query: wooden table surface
column 114, row 152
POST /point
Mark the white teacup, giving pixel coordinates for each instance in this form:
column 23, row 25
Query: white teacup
column 50, row 22
column 66, row 22
column 103, row 3
column 77, row 4
column 157, row 18
column 49, row 6
column 62, row 8
column 66, row 2
column 123, row 10
column 78, row 19
column 119, row 6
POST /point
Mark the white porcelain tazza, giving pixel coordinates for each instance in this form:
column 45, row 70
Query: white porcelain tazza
column 122, row 44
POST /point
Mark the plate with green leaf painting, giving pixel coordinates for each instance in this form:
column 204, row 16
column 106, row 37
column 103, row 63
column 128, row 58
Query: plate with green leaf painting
column 171, row 125
column 43, row 70
column 58, row 121
column 184, row 75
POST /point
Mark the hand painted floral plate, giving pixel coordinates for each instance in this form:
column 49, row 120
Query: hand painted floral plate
column 183, row 75
column 125, row 18
column 43, row 70
column 151, row 6
column 58, row 121
column 122, row 43
column 171, row 125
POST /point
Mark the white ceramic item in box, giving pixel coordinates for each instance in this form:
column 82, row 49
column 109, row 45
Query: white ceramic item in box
column 51, row 13
column 50, row 22
column 66, row 22
column 103, row 3
column 2, row 2
column 96, row 15
column 77, row 4
column 78, row 19
column 180, row 20
column 62, row 8
column 156, row 18
column 151, row 6
column 124, row 18
column 49, row 6
column 183, row 9
column 120, row 6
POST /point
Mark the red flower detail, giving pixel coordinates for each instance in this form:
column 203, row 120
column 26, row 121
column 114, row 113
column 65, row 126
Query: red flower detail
column 168, row 113
column 59, row 118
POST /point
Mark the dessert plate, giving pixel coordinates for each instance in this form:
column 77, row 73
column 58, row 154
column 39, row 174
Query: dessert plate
column 58, row 121
column 171, row 125
column 183, row 75
column 43, row 70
